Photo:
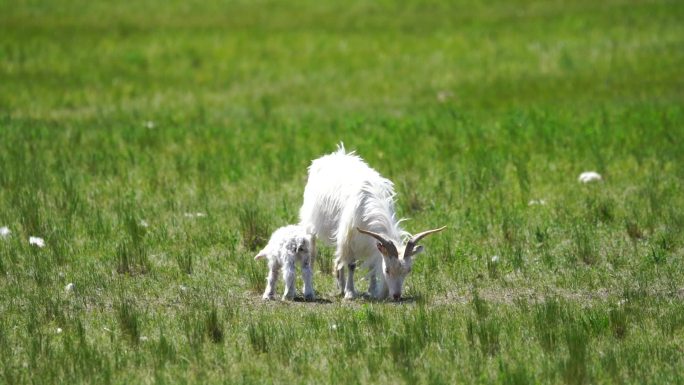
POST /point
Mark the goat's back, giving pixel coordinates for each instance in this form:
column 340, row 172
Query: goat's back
column 340, row 190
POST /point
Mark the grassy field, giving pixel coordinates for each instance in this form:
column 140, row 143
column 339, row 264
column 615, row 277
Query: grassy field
column 121, row 121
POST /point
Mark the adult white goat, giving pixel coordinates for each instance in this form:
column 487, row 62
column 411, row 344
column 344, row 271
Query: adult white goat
column 349, row 205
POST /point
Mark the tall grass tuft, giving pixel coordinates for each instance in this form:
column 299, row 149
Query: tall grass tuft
column 214, row 326
column 484, row 329
column 165, row 351
column 618, row 322
column 41, row 267
column 131, row 253
column 400, row 346
column 253, row 272
column 583, row 240
column 575, row 369
column 258, row 336
column 516, row 374
column 253, row 225
column 4, row 258
column 547, row 318
column 129, row 320
column 324, row 259
column 132, row 259
column 185, row 261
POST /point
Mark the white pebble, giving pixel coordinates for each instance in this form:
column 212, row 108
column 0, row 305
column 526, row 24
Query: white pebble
column 69, row 287
column 59, row 331
column 37, row 241
column 589, row 176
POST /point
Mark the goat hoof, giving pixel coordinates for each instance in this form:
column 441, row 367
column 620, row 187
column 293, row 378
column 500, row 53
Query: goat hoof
column 288, row 297
column 267, row 297
column 349, row 295
column 309, row 297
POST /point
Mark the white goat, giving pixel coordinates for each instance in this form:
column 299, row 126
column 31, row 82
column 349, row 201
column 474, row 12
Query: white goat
column 349, row 205
column 288, row 245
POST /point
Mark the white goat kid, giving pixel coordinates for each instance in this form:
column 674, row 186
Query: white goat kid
column 349, row 205
column 288, row 245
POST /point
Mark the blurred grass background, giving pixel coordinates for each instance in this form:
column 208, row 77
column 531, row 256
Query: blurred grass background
column 119, row 122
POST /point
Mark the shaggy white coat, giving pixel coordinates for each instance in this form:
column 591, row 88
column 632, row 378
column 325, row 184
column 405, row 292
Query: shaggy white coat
column 287, row 246
column 344, row 193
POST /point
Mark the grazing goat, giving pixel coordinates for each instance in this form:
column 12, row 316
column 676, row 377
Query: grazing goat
column 288, row 245
column 349, row 205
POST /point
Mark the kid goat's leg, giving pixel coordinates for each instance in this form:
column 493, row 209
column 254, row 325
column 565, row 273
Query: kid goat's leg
column 289, row 277
column 307, row 275
column 271, row 279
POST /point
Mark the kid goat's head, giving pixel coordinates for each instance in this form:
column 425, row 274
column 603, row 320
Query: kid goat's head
column 396, row 262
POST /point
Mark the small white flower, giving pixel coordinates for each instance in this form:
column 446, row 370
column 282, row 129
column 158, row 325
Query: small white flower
column 144, row 223
column 536, row 202
column 333, row 327
column 69, row 287
column 495, row 259
column 36, row 241
column 107, row 329
column 59, row 331
column 183, row 288
column 149, row 124
column 589, row 176
column 195, row 215
column 143, row 338
column 622, row 302
column 5, row 232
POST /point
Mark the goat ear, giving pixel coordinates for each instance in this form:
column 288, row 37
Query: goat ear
column 262, row 254
column 383, row 250
column 417, row 250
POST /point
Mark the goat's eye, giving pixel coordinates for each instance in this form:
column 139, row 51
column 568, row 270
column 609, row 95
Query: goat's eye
column 386, row 271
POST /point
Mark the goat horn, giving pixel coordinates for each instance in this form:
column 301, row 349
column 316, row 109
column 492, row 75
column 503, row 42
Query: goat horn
column 386, row 243
column 416, row 238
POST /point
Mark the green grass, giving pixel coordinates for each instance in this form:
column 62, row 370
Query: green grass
column 119, row 122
